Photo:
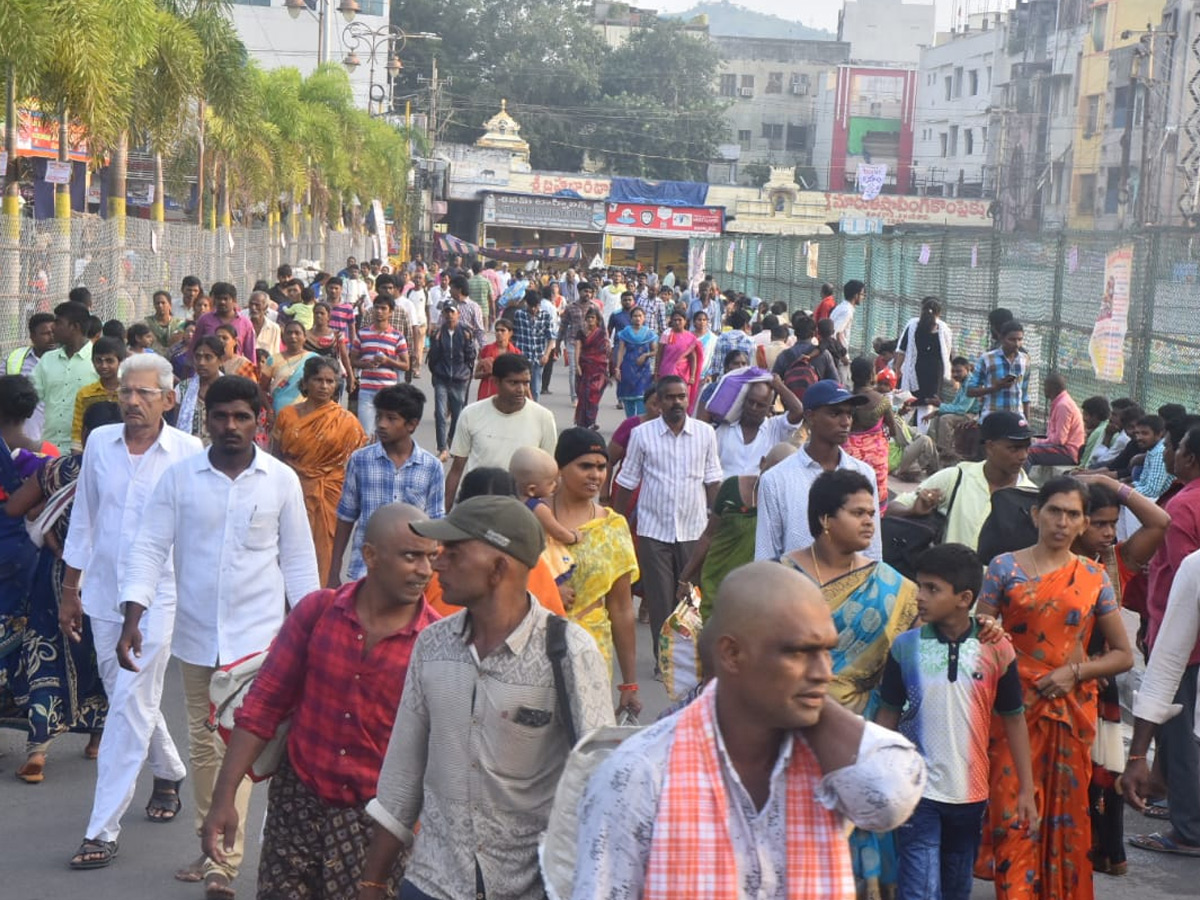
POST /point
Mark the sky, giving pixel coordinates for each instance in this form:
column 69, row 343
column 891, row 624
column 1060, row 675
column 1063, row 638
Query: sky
column 815, row 13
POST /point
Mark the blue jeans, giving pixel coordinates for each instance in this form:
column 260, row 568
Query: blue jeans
column 366, row 411
column 449, row 398
column 937, row 848
column 633, row 407
column 535, row 378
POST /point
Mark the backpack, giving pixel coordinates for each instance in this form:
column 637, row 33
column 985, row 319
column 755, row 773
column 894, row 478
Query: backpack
column 1009, row 526
column 800, row 375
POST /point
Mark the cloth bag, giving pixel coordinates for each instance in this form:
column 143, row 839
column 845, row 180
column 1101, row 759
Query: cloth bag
column 725, row 404
column 226, row 692
column 678, row 647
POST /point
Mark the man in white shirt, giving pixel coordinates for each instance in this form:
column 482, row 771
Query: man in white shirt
column 675, row 462
column 783, row 491
column 610, row 295
column 743, row 444
column 489, row 431
column 233, row 519
column 118, row 474
column 843, row 315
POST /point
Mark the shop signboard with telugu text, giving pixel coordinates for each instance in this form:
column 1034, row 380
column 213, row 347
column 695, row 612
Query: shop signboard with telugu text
column 665, row 221
column 550, row 213
column 892, row 209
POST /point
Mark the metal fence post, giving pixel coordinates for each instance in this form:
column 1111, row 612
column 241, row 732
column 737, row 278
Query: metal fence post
column 1143, row 336
column 1056, row 301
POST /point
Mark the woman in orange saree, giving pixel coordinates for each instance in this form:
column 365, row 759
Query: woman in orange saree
column 1050, row 601
column 316, row 437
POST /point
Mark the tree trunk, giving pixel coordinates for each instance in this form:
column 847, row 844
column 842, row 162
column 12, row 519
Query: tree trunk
column 158, row 209
column 12, row 189
column 62, row 192
column 118, row 169
column 200, row 169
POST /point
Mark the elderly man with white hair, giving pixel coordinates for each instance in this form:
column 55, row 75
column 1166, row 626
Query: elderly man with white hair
column 120, row 469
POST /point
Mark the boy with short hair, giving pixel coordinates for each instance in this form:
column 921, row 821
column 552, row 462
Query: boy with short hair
column 941, row 684
column 380, row 352
column 107, row 354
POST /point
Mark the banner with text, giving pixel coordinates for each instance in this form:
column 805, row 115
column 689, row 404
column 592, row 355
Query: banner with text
column 665, row 221
column 1107, row 345
column 550, row 213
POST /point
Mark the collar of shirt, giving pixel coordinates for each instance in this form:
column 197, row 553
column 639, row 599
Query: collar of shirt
column 688, row 426
column 518, row 637
column 377, row 451
column 257, row 465
column 164, row 442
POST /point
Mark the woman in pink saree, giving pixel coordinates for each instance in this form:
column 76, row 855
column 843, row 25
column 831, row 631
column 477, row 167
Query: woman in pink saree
column 680, row 353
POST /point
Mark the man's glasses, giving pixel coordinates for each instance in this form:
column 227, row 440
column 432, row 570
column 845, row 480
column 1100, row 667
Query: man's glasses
column 144, row 393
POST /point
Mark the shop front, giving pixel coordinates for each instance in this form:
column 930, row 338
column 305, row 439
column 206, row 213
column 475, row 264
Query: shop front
column 512, row 221
column 653, row 236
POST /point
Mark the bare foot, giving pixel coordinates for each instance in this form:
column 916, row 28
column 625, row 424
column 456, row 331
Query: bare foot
column 193, row 872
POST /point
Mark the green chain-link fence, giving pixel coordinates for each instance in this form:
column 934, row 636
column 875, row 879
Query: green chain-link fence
column 1052, row 283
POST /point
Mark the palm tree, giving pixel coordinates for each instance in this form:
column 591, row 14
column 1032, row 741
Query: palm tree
column 23, row 32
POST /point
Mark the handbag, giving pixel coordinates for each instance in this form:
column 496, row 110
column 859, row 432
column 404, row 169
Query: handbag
column 905, row 538
column 678, row 647
column 226, row 692
column 52, row 511
column 1009, row 526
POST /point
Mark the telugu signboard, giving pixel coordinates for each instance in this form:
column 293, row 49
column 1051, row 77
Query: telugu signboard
column 551, row 213
column 665, row 221
column 37, row 135
column 596, row 187
column 896, row 210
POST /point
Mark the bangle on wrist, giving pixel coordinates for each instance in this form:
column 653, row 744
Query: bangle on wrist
column 1075, row 671
column 363, row 883
column 1124, row 492
column 1133, row 757
column 628, row 686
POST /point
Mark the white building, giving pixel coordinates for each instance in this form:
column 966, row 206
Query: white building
column 954, row 97
column 275, row 39
column 886, row 31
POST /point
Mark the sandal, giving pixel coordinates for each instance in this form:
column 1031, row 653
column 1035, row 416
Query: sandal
column 193, row 872
column 101, row 854
column 164, row 802
column 1154, row 811
column 32, row 772
column 1162, row 843
column 217, row 887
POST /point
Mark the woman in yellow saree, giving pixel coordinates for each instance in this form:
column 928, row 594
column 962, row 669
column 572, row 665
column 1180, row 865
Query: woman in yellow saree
column 602, row 565
column 871, row 604
column 316, row 437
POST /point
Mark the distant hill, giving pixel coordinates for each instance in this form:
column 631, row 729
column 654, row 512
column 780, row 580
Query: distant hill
column 732, row 20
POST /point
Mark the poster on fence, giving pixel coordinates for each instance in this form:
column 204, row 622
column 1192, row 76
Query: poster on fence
column 814, row 259
column 697, row 259
column 58, row 172
column 1107, row 346
column 870, row 179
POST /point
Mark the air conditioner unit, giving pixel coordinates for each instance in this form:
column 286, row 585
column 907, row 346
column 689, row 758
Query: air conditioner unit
column 800, row 89
column 746, row 92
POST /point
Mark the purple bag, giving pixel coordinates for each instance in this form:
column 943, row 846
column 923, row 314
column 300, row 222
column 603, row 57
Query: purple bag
column 725, row 404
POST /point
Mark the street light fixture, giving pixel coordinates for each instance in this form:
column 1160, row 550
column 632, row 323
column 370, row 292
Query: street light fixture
column 351, row 62
column 394, row 65
column 387, row 38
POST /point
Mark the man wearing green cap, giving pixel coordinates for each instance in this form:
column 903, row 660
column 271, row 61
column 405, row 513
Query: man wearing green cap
column 480, row 741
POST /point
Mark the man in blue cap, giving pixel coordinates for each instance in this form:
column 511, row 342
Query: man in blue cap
column 783, row 490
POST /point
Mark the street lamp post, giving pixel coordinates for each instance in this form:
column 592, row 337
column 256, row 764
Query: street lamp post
column 348, row 8
column 387, row 38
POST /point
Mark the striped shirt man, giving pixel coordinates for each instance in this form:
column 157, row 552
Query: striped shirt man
column 341, row 318
column 672, row 470
column 390, row 344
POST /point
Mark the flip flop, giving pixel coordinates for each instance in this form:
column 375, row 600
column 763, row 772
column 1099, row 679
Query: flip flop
column 105, row 851
column 32, row 772
column 1153, row 811
column 217, row 887
column 1162, row 843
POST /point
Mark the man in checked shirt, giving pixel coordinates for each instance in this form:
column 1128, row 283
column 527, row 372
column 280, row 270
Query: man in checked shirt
column 337, row 669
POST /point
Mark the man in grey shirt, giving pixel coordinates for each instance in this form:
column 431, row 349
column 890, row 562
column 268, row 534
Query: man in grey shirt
column 480, row 741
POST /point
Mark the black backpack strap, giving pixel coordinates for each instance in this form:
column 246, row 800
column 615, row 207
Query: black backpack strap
column 556, row 649
column 954, row 493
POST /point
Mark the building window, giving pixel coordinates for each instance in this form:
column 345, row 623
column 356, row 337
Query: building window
column 747, row 82
column 744, row 139
column 942, row 140
column 949, row 88
column 989, row 78
column 958, row 82
column 1056, row 175
column 772, row 132
column 973, row 82
column 1099, row 27
column 774, row 82
column 1085, row 205
column 1112, row 191
column 1093, row 115
column 797, row 138
column 728, row 85
column 953, row 150
column 968, row 142
column 983, row 135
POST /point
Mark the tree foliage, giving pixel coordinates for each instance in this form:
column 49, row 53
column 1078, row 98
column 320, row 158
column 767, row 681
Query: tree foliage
column 648, row 108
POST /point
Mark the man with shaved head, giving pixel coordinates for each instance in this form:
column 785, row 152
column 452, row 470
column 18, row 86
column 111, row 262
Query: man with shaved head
column 1065, row 434
column 747, row 790
column 337, row 669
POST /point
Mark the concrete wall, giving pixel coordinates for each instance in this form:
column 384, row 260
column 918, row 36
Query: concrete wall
column 886, row 31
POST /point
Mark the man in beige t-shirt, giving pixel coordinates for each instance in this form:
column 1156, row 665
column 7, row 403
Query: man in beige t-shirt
column 490, row 431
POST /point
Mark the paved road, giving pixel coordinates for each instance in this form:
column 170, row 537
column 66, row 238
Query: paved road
column 41, row 825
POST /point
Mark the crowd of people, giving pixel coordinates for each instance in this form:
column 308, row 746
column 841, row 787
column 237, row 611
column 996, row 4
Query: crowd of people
column 423, row 634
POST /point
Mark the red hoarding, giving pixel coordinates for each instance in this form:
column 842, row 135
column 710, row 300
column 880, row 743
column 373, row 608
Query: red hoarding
column 665, row 221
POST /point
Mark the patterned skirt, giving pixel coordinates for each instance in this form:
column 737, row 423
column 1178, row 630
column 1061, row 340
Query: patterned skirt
column 310, row 850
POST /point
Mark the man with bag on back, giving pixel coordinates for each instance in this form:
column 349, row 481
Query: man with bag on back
column 1006, row 439
column 233, row 520
column 337, row 669
column 482, row 736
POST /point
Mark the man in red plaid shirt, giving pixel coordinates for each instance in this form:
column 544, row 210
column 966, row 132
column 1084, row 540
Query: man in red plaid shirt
column 337, row 669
